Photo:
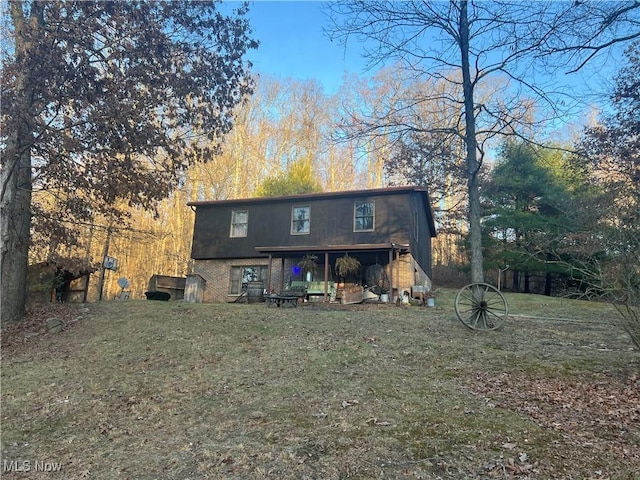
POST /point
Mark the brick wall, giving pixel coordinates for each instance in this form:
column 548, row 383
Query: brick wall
column 406, row 273
column 216, row 274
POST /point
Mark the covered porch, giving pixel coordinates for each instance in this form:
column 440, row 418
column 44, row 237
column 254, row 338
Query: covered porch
column 286, row 259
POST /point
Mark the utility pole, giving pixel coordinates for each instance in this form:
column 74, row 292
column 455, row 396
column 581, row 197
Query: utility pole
column 105, row 252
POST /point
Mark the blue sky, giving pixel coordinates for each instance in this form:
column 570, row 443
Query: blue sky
column 292, row 44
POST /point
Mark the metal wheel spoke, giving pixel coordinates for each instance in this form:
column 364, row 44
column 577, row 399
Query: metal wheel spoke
column 468, row 308
column 494, row 314
column 471, row 320
column 485, row 320
column 488, row 320
column 469, row 298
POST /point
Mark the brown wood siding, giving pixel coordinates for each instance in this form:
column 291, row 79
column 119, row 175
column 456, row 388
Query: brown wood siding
column 331, row 224
column 402, row 215
column 420, row 233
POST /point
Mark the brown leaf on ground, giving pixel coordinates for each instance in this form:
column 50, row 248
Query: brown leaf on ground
column 599, row 414
column 34, row 322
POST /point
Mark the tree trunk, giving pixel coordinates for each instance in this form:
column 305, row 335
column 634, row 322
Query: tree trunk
column 516, row 281
column 472, row 163
column 105, row 252
column 15, row 201
column 548, row 281
column 15, row 229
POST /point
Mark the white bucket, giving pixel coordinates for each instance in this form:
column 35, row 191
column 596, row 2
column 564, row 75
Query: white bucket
column 384, row 298
column 431, row 302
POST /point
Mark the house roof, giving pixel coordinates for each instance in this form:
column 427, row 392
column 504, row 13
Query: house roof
column 332, row 248
column 341, row 194
column 344, row 193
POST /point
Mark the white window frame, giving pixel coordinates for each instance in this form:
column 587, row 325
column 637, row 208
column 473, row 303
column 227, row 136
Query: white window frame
column 294, row 220
column 356, row 216
column 233, row 230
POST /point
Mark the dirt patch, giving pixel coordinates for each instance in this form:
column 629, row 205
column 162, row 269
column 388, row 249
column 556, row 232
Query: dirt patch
column 354, row 307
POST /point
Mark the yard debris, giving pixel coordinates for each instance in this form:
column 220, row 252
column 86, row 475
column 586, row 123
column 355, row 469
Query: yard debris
column 379, row 423
column 349, row 403
column 15, row 336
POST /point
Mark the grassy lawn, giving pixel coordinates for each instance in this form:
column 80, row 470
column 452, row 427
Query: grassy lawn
column 147, row 390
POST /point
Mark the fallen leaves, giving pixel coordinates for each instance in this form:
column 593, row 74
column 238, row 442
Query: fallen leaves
column 18, row 335
column 599, row 415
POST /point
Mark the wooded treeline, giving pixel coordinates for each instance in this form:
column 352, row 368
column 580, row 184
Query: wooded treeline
column 285, row 131
column 537, row 196
column 107, row 140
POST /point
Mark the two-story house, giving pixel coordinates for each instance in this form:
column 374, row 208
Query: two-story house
column 263, row 239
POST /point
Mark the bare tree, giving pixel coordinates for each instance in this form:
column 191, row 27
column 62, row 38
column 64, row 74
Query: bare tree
column 488, row 53
column 470, row 47
column 583, row 30
column 610, row 239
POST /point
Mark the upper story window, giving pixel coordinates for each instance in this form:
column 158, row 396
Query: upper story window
column 364, row 214
column 239, row 223
column 300, row 220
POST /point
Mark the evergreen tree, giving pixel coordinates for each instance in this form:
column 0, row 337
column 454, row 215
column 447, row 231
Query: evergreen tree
column 298, row 178
column 524, row 211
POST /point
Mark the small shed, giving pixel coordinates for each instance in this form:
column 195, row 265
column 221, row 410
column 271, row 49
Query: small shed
column 59, row 280
column 194, row 288
column 174, row 286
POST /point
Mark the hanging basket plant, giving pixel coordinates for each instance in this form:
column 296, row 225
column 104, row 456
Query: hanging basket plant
column 308, row 263
column 347, row 265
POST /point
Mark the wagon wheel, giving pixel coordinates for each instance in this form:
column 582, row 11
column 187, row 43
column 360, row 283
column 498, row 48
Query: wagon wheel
column 481, row 306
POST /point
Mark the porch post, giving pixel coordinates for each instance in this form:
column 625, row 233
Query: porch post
column 269, row 271
column 391, row 273
column 326, row 275
column 398, row 272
